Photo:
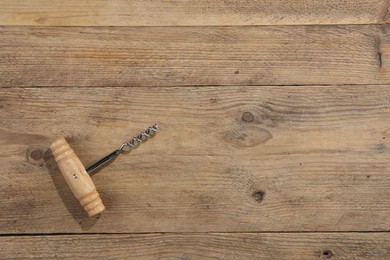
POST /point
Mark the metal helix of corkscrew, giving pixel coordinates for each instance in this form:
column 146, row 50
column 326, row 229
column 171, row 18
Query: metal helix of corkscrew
column 126, row 146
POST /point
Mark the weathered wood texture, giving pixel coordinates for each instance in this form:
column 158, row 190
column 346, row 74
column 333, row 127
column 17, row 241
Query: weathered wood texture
column 286, row 158
column 189, row 12
column 173, row 56
column 200, row 246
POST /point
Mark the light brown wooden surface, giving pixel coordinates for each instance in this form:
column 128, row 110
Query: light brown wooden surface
column 176, row 56
column 186, row 12
column 289, row 158
column 201, row 246
column 273, row 117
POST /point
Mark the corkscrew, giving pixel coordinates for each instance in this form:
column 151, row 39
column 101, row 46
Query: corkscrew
column 78, row 177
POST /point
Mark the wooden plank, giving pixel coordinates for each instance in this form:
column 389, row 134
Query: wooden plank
column 186, row 12
column 299, row 158
column 201, row 246
column 174, row 56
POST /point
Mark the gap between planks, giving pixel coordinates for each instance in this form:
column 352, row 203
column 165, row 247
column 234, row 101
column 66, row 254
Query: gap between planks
column 194, row 86
column 191, row 233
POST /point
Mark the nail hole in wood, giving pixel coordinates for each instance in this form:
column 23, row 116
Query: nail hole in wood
column 247, row 117
column 36, row 155
column 259, row 196
column 327, row 253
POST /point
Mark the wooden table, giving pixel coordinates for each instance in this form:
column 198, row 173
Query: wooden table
column 274, row 118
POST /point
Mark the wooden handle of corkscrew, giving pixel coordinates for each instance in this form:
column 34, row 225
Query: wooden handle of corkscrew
column 77, row 178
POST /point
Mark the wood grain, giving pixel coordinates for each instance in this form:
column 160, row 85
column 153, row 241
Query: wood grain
column 289, row 158
column 200, row 246
column 187, row 12
column 176, row 56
